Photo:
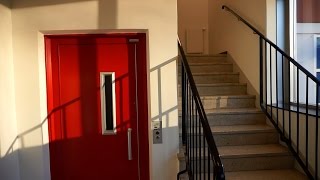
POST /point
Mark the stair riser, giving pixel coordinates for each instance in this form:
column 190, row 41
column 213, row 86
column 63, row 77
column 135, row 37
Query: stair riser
column 211, row 68
column 248, row 163
column 215, row 78
column 222, row 90
column 236, row 119
column 223, row 103
column 258, row 163
column 206, row 59
column 239, row 139
column 228, row 103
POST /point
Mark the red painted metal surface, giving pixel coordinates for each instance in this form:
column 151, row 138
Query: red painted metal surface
column 78, row 150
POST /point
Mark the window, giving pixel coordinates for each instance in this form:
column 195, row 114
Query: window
column 108, row 113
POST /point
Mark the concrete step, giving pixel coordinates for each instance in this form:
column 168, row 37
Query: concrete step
column 241, row 116
column 222, row 89
column 244, row 135
column 210, row 67
column 237, row 135
column 207, row 58
column 214, row 77
column 246, row 158
column 227, row 117
column 222, row 102
column 255, row 157
column 284, row 174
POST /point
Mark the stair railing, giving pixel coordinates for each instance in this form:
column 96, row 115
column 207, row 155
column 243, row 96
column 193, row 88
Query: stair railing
column 201, row 154
column 277, row 69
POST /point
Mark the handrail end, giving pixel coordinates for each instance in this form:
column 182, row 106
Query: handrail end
column 223, row 6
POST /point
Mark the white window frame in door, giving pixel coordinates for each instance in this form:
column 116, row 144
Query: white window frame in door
column 316, row 70
column 105, row 131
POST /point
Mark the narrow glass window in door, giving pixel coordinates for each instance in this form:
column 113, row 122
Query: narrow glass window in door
column 108, row 115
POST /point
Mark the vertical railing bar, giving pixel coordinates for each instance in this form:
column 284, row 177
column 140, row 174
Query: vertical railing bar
column 277, row 98
column 317, row 130
column 204, row 153
column 298, row 112
column 200, row 147
column 189, row 128
column 283, row 98
column 196, row 143
column 307, row 122
column 183, row 123
column 270, row 59
column 289, row 100
column 184, row 116
column 209, row 159
column 194, row 158
column 261, row 70
column 266, row 76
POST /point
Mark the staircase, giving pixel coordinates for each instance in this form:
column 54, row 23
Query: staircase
column 249, row 147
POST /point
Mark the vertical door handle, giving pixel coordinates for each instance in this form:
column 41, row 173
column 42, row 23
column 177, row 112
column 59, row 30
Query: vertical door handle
column 129, row 145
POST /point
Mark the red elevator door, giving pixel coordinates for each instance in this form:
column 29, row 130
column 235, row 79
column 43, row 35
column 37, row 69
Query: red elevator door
column 93, row 96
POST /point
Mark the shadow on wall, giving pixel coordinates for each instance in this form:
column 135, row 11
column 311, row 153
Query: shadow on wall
column 164, row 156
column 8, row 166
column 158, row 70
column 107, row 9
column 6, row 3
column 30, row 155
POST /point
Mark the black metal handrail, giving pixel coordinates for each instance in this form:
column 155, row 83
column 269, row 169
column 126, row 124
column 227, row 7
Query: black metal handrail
column 276, row 69
column 196, row 133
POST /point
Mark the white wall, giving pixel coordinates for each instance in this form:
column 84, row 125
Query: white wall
column 32, row 18
column 9, row 168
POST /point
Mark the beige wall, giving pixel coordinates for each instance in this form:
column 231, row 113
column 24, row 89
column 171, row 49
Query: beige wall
column 33, row 18
column 193, row 17
column 302, row 136
column 229, row 34
column 9, row 168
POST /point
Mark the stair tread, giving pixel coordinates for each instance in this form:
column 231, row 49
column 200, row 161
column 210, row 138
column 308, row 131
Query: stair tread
column 252, row 150
column 214, row 73
column 283, row 174
column 287, row 174
column 246, row 151
column 209, row 63
column 206, row 55
column 233, row 111
column 221, row 84
column 244, row 96
column 242, row 129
